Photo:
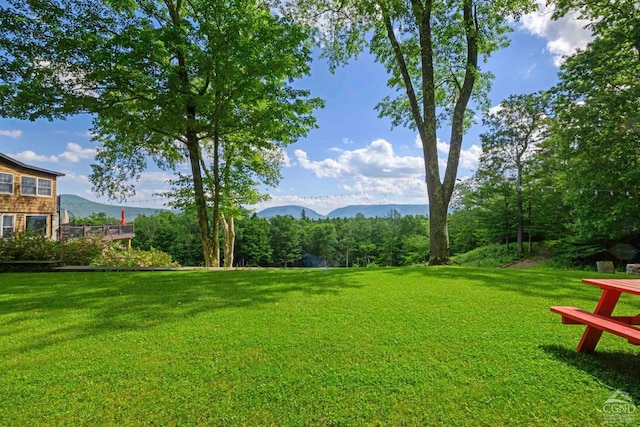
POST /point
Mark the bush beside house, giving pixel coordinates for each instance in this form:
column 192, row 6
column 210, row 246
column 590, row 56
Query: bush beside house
column 37, row 247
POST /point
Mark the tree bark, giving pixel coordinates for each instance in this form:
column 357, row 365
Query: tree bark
column 200, row 201
column 520, row 236
column 216, row 198
column 438, row 231
column 229, row 239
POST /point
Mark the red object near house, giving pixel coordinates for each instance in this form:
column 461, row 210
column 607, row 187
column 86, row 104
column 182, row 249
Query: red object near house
column 122, row 220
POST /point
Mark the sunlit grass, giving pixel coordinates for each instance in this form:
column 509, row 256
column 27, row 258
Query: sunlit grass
column 439, row 346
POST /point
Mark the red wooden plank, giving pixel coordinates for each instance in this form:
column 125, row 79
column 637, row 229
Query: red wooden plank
column 601, row 323
column 631, row 286
column 592, row 334
column 629, row 320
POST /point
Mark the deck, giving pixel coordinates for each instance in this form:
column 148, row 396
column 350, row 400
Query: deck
column 107, row 232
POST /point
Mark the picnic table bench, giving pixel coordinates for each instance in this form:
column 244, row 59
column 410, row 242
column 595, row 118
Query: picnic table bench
column 601, row 319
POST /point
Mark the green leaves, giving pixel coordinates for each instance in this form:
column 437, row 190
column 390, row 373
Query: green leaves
column 164, row 81
column 597, row 102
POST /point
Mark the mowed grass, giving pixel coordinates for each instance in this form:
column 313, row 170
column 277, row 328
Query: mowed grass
column 414, row 346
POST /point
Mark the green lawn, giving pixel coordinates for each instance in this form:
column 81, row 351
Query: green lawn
column 413, row 346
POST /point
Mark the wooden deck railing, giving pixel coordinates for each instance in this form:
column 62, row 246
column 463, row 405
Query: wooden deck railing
column 107, row 232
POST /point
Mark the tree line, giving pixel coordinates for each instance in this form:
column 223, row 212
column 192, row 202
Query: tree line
column 284, row 241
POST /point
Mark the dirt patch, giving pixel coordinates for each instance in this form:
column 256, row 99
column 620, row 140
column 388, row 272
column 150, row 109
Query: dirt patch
column 523, row 263
column 530, row 262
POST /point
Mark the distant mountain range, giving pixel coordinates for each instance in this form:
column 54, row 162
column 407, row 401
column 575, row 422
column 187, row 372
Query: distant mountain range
column 79, row 207
column 369, row 211
column 290, row 210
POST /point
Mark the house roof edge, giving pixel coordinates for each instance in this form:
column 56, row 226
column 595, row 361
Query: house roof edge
column 24, row 165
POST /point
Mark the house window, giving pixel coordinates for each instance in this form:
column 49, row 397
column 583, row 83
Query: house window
column 6, row 223
column 36, row 224
column 35, row 186
column 6, row 183
column 44, row 187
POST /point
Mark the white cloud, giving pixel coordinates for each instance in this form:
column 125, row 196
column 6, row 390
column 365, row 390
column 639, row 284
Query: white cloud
column 469, row 158
column 86, row 134
column 286, row 160
column 15, row 134
column 28, row 156
column 563, row 36
column 72, row 177
column 495, row 109
column 443, row 147
column 528, row 71
column 375, row 161
column 157, row 177
column 75, row 152
column 418, row 141
column 371, row 175
column 375, row 171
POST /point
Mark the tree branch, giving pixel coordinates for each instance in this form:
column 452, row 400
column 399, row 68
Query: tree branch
column 406, row 77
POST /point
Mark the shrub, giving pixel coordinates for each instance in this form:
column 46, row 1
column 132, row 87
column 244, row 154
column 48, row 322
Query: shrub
column 487, row 256
column 79, row 251
column 37, row 247
column 115, row 255
column 576, row 254
column 28, row 247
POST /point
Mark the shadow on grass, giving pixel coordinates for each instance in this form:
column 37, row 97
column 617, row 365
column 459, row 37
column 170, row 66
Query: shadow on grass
column 67, row 306
column 559, row 286
column 618, row 370
column 528, row 282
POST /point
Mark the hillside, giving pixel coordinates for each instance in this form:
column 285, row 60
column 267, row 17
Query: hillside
column 291, row 210
column 372, row 211
column 369, row 211
column 79, row 207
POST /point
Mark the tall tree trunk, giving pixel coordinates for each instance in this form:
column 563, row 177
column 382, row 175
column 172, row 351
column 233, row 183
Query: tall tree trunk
column 520, row 236
column 530, row 225
column 200, row 200
column 216, row 197
column 229, row 239
column 520, row 207
column 506, row 220
column 438, row 232
column 424, row 116
column 193, row 145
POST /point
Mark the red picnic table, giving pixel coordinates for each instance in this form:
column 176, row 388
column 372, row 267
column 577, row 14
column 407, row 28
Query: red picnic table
column 602, row 319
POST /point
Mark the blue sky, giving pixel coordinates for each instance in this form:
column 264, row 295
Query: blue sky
column 354, row 157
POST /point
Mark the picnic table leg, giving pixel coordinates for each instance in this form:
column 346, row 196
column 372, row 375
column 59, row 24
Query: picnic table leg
column 605, row 307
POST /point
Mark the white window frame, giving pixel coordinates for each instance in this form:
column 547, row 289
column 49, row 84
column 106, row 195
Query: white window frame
column 38, row 187
column 2, row 227
column 12, row 183
column 50, row 187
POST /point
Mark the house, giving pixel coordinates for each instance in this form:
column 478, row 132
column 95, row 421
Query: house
column 28, row 199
